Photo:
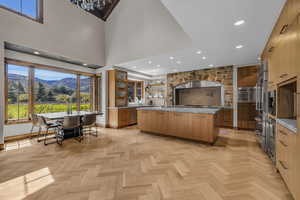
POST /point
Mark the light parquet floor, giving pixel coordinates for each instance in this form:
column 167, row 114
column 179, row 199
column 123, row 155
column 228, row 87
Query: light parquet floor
column 128, row 165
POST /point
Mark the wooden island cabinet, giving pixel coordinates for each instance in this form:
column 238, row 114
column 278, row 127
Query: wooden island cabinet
column 195, row 126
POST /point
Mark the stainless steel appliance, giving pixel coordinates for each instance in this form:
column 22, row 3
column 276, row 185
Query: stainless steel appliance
column 265, row 126
column 247, row 95
column 272, row 102
column 270, row 139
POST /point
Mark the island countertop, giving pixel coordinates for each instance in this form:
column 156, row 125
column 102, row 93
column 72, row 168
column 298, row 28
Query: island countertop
column 183, row 110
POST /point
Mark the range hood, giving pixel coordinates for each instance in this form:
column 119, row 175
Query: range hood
column 199, row 93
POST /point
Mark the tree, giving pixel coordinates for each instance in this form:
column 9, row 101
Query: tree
column 41, row 94
column 84, row 98
column 62, row 98
column 23, row 98
column 20, row 88
column 12, row 97
column 50, row 96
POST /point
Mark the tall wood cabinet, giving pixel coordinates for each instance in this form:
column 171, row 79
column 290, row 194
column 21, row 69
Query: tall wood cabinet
column 282, row 54
column 117, row 88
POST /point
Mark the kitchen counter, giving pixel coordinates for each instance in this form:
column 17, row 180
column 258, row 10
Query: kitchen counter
column 130, row 106
column 289, row 124
column 183, row 109
column 200, row 124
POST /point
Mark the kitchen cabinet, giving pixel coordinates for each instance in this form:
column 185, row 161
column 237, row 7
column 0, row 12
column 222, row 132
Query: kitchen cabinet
column 200, row 127
column 121, row 117
column 117, row 88
column 247, row 76
column 246, row 115
column 287, row 158
column 225, row 118
column 283, row 59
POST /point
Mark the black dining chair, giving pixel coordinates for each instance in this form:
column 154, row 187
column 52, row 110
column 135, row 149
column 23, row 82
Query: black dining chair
column 88, row 122
column 35, row 124
column 69, row 123
column 46, row 125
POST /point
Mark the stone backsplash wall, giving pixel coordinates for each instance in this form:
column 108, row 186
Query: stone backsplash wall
column 223, row 75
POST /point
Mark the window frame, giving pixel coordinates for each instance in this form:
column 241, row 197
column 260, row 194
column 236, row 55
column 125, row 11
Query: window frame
column 31, row 77
column 39, row 12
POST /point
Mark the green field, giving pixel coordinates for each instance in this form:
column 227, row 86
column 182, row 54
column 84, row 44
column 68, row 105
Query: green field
column 22, row 109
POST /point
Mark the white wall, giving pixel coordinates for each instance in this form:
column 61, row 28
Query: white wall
column 139, row 29
column 67, row 31
column 2, row 100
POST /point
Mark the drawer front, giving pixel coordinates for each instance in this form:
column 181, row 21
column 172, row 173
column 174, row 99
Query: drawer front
column 284, row 171
column 282, row 135
column 282, row 154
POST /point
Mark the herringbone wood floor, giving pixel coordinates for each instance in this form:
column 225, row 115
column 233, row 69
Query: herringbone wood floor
column 126, row 164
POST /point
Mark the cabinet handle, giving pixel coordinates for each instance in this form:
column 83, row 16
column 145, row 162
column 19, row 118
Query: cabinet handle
column 283, row 165
column 285, row 145
column 283, row 75
column 283, row 29
column 284, row 133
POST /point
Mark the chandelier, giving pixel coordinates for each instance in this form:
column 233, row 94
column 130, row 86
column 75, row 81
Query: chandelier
column 91, row 4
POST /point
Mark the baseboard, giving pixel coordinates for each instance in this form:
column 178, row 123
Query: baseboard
column 102, row 125
column 21, row 137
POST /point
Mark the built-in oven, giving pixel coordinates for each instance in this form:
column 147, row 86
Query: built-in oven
column 272, row 102
column 247, row 95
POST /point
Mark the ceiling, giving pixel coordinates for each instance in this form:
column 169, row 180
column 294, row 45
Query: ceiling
column 210, row 25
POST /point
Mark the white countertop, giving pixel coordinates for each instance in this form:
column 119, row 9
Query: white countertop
column 289, row 124
column 183, row 110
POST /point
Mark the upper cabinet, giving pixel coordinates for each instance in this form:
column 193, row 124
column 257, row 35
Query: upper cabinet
column 281, row 50
column 117, row 88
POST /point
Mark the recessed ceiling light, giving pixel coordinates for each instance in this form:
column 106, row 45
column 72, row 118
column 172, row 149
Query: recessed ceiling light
column 150, row 62
column 178, row 62
column 199, row 52
column 85, row 64
column 133, row 67
column 171, row 58
column 211, row 65
column 239, row 46
column 240, row 22
column 157, row 65
column 204, row 58
column 36, row 53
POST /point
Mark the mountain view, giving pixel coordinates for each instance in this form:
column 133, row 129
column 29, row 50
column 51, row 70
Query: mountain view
column 49, row 95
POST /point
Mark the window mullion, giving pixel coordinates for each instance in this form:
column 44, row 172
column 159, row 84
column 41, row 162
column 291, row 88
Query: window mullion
column 31, row 91
column 78, row 93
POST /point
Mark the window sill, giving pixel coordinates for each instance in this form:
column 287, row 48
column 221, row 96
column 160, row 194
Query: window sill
column 41, row 21
column 14, row 122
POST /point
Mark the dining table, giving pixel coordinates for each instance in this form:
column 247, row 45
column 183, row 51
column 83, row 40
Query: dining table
column 59, row 116
column 62, row 115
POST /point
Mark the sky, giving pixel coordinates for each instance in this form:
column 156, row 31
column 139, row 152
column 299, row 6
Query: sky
column 27, row 7
column 39, row 73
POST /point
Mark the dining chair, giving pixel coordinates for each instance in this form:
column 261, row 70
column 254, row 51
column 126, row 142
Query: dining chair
column 35, row 124
column 46, row 125
column 69, row 122
column 89, row 121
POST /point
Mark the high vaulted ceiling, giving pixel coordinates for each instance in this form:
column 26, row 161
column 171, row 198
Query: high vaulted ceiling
column 210, row 25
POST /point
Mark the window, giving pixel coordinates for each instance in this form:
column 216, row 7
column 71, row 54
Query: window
column 54, row 91
column 28, row 8
column 39, row 89
column 17, row 92
column 85, row 93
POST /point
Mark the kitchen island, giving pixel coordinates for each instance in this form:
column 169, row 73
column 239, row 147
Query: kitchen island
column 200, row 124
